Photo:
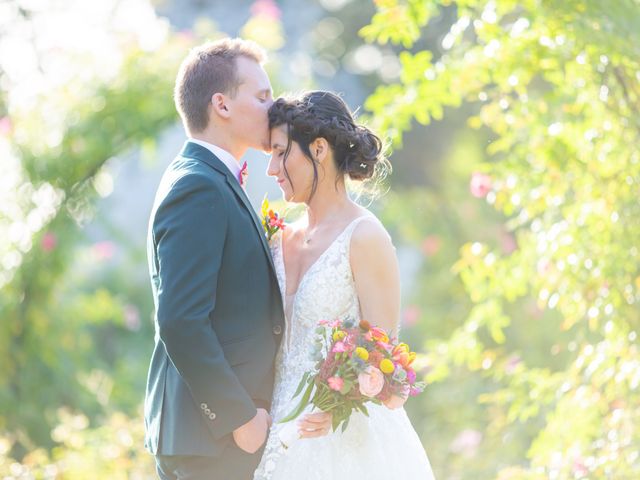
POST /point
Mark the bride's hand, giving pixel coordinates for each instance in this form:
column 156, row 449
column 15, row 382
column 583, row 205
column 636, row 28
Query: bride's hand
column 315, row 425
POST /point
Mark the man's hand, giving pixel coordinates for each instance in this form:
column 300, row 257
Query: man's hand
column 315, row 425
column 250, row 436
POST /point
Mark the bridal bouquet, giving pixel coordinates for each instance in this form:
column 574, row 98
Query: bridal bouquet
column 356, row 364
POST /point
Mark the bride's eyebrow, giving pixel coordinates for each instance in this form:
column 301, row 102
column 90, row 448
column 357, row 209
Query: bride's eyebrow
column 277, row 145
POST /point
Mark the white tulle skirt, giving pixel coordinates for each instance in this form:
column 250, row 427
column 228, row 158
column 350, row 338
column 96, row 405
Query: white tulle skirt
column 383, row 446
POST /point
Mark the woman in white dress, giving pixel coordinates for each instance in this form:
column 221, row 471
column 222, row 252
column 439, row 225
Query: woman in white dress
column 336, row 262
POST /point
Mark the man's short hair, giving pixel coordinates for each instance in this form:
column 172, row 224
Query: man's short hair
column 208, row 69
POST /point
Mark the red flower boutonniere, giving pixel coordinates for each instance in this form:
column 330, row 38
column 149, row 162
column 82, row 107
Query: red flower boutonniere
column 271, row 221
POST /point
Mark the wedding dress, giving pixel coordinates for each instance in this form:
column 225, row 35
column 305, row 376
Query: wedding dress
column 381, row 446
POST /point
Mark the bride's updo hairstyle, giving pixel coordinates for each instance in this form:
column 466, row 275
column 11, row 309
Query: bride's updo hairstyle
column 357, row 151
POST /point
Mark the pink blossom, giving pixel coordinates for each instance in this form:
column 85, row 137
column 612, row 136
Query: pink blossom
column 579, row 468
column 508, row 243
column 466, row 442
column 410, row 316
column 512, row 364
column 398, row 400
column 543, row 266
column 131, row 317
column 335, row 383
column 480, row 185
column 431, row 245
column 49, row 242
column 104, row 250
column 267, row 8
column 411, row 375
column 186, row 35
column 384, row 345
column 371, row 381
column 5, row 126
column 340, row 347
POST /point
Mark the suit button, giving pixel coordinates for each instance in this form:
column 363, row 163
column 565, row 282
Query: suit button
column 212, row 416
column 203, row 406
column 207, row 411
column 277, row 330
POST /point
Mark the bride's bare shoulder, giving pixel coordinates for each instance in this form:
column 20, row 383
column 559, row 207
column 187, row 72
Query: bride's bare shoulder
column 370, row 235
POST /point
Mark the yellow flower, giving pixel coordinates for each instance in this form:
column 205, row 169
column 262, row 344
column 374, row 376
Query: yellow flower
column 412, row 357
column 387, row 366
column 401, row 348
column 265, row 206
column 338, row 335
column 362, row 353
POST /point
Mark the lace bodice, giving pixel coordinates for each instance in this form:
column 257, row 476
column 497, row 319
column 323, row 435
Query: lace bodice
column 326, row 292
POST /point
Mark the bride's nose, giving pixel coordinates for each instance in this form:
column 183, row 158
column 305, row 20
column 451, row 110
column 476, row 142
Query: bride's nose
column 273, row 167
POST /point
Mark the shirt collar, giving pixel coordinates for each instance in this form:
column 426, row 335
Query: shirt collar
column 225, row 157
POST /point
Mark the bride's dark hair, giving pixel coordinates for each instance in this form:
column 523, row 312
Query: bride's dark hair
column 357, row 151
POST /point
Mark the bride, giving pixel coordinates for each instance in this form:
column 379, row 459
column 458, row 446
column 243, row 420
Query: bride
column 337, row 262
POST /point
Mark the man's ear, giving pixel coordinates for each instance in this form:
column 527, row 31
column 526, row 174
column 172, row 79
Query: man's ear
column 319, row 149
column 220, row 105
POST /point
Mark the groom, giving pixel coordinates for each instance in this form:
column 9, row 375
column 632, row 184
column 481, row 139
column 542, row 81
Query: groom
column 219, row 314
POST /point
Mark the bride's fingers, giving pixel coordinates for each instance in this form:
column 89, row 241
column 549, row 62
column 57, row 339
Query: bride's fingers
column 314, row 424
column 308, row 433
column 318, row 417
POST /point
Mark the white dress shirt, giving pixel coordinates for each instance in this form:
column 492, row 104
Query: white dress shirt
column 229, row 160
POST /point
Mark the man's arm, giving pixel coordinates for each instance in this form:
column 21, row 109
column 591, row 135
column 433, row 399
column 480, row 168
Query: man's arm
column 189, row 233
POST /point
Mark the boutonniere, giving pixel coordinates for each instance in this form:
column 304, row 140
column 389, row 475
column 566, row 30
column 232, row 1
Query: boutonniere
column 271, row 221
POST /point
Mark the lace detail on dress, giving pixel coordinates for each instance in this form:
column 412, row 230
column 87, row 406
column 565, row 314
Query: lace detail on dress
column 325, row 292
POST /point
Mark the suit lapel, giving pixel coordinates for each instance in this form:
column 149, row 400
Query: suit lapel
column 193, row 150
column 240, row 193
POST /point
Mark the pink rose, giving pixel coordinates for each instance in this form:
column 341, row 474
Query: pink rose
column 371, row 382
column 335, row 383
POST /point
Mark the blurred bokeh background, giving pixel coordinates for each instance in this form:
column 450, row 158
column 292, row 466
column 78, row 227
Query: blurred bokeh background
column 513, row 128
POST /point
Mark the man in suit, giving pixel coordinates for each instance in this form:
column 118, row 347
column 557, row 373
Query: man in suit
column 219, row 314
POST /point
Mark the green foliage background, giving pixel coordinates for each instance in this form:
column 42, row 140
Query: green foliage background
column 524, row 299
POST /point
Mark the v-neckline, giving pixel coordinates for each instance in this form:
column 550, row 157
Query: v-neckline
column 313, row 264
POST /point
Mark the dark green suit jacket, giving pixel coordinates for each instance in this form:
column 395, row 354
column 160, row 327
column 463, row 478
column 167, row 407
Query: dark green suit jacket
column 218, row 307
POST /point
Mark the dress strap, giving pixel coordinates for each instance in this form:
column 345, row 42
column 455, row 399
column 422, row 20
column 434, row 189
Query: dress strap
column 348, row 231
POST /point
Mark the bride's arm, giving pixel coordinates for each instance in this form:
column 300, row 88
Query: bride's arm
column 377, row 275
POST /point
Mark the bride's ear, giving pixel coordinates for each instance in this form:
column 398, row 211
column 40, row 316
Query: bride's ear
column 220, row 105
column 319, row 148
